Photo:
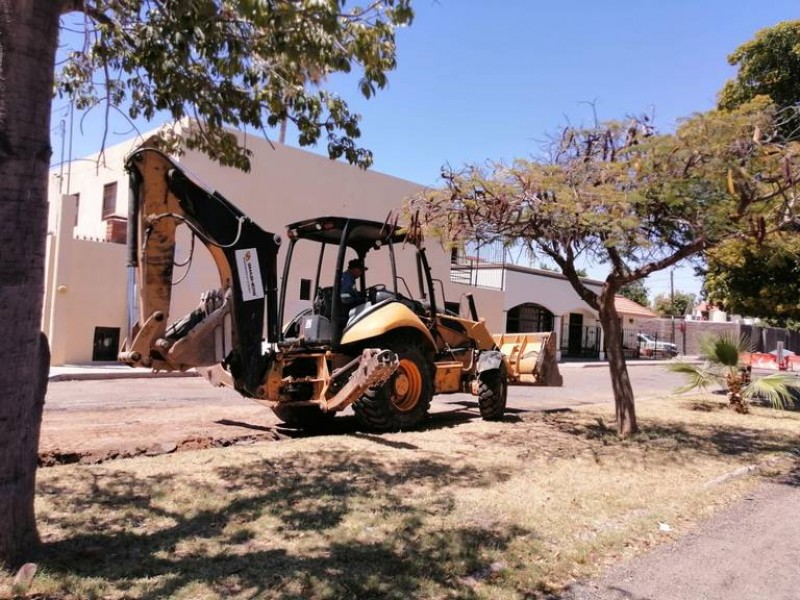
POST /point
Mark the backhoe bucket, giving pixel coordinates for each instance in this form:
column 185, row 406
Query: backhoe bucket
column 532, row 355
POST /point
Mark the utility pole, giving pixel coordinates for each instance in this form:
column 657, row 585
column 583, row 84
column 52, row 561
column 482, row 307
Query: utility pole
column 69, row 157
column 63, row 126
column 672, row 301
column 282, row 131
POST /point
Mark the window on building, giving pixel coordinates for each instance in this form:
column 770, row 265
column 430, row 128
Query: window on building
column 109, row 199
column 305, row 289
column 529, row 318
column 117, row 230
column 77, row 207
column 106, row 344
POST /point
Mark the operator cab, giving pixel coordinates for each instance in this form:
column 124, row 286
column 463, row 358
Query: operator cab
column 334, row 243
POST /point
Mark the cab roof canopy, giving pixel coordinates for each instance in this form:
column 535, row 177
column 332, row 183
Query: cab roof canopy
column 362, row 236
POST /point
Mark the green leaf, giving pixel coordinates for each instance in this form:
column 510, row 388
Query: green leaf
column 238, row 63
column 776, row 388
column 697, row 376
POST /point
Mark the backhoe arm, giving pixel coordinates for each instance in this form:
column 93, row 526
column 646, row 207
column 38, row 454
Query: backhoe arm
column 228, row 326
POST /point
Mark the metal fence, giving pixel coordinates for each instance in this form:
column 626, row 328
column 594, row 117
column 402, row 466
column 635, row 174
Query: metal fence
column 584, row 342
column 765, row 339
column 688, row 336
column 579, row 341
column 654, row 339
column 648, row 345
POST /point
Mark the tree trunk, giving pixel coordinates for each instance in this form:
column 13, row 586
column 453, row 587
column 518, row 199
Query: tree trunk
column 620, row 381
column 28, row 38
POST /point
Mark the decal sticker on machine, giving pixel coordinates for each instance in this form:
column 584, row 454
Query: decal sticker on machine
column 249, row 274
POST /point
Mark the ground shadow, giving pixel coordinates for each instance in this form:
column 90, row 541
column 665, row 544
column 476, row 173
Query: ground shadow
column 304, row 499
column 382, row 441
column 579, row 592
column 713, row 440
column 708, row 406
column 792, row 406
column 791, row 479
column 232, row 423
column 468, row 404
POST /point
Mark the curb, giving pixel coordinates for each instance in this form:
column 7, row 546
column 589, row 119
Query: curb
column 95, row 376
column 637, row 363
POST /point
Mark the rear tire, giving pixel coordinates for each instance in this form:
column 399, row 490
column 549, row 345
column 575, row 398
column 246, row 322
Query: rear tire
column 303, row 417
column 492, row 393
column 403, row 401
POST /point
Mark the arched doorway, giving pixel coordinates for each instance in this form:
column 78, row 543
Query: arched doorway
column 529, row 318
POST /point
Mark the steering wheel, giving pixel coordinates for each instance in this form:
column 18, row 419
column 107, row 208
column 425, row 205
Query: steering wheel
column 372, row 292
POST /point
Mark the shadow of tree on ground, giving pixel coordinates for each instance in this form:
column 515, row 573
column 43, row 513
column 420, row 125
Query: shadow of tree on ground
column 712, row 440
column 144, row 547
column 791, row 479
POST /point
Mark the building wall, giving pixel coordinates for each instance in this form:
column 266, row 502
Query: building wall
column 555, row 293
column 84, row 286
column 552, row 291
column 284, row 185
column 87, row 177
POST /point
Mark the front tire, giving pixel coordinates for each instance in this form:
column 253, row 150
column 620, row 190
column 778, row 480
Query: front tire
column 404, row 400
column 493, row 393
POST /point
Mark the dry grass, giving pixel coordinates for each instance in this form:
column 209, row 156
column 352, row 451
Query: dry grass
column 461, row 510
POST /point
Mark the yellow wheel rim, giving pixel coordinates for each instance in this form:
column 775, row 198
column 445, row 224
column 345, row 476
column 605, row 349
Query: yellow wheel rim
column 406, row 386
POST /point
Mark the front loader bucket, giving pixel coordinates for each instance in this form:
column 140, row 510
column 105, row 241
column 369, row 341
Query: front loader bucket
column 532, row 355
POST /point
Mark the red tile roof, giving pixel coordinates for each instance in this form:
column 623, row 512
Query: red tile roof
column 630, row 308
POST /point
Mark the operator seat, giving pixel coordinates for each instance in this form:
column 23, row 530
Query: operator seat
column 349, row 306
column 323, row 303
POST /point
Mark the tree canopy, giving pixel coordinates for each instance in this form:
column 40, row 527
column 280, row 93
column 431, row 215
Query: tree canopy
column 757, row 280
column 768, row 66
column 623, row 195
column 636, row 291
column 759, row 275
column 673, row 305
column 626, row 196
column 236, row 63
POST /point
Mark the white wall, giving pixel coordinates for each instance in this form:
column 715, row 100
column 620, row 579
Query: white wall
column 87, row 176
column 490, row 278
column 550, row 290
column 85, row 288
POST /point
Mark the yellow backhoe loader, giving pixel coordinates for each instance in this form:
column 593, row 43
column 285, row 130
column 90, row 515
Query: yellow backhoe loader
column 381, row 348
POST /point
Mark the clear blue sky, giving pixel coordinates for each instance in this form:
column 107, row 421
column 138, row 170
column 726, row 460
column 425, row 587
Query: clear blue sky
column 480, row 80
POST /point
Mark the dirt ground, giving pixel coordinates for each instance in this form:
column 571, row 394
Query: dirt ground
column 91, row 421
column 750, row 550
column 94, row 421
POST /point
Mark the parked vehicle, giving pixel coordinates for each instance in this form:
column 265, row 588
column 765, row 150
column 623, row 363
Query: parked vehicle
column 649, row 346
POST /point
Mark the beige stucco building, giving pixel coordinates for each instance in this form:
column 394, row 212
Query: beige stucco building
column 87, row 288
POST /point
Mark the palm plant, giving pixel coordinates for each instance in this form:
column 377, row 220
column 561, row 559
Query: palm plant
column 721, row 366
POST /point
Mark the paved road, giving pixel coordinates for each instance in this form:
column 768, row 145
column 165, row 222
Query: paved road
column 750, row 551
column 581, row 386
